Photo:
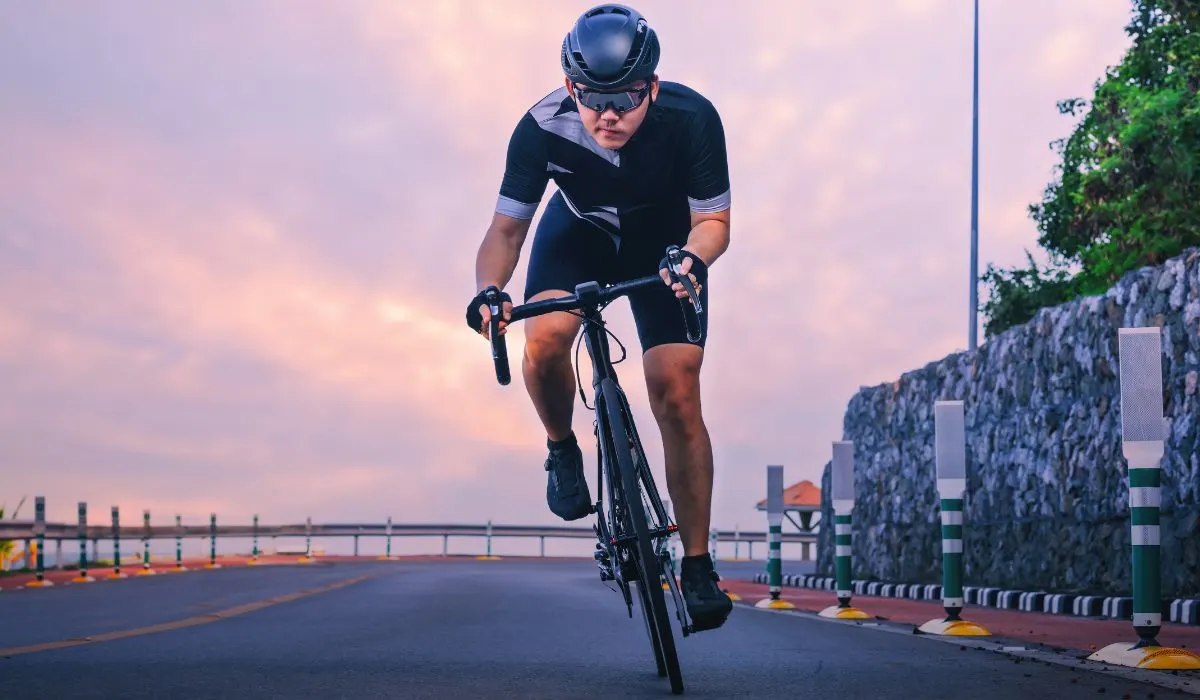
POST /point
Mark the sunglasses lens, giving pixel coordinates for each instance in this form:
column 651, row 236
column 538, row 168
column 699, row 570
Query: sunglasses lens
column 620, row 101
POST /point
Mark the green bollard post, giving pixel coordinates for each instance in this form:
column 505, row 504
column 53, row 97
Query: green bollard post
column 212, row 534
column 308, row 557
column 670, row 543
column 83, row 539
column 673, row 539
column 774, row 540
column 39, row 532
column 146, row 570
column 1144, row 435
column 179, row 567
column 254, row 545
column 842, row 474
column 950, row 452
column 116, row 529
column 388, row 534
column 489, row 542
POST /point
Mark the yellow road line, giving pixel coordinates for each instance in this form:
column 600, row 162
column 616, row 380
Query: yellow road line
column 181, row 624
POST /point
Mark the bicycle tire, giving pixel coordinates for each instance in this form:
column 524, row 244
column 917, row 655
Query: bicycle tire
column 617, row 516
column 644, row 603
column 648, row 564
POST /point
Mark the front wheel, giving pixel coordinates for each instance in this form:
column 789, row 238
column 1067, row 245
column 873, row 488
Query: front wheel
column 648, row 617
column 649, row 571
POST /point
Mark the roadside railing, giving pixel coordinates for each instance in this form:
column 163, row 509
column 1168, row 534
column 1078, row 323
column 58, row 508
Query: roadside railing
column 41, row 531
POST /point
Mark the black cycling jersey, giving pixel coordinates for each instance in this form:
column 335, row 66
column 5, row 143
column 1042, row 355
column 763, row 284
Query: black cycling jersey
column 675, row 163
column 616, row 211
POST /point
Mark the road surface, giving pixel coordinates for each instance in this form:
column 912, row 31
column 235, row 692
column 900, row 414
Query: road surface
column 463, row 628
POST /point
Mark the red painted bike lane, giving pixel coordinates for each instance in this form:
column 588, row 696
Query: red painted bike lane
column 1061, row 631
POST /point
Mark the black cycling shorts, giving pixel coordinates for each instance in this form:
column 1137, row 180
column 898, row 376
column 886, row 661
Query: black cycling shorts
column 568, row 250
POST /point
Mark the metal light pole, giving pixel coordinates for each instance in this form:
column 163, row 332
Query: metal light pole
column 975, row 192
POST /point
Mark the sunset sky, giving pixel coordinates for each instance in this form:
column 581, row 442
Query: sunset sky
column 237, row 238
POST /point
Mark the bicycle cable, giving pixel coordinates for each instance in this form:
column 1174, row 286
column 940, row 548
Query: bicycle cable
column 579, row 342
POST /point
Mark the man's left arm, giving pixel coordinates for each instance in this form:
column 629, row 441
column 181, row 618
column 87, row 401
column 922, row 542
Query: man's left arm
column 709, row 237
column 708, row 189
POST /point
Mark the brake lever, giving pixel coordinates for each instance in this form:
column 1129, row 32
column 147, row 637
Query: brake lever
column 499, row 347
column 675, row 267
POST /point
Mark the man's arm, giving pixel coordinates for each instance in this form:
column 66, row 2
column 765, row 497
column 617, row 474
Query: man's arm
column 708, row 189
column 500, row 251
column 709, row 237
column 521, row 190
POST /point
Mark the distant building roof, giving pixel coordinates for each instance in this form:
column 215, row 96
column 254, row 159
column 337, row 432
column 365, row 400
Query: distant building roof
column 802, row 495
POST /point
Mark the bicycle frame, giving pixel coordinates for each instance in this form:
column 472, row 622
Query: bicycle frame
column 617, row 539
column 631, row 534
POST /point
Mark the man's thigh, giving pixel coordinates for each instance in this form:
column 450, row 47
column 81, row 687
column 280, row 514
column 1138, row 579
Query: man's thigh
column 660, row 320
column 656, row 310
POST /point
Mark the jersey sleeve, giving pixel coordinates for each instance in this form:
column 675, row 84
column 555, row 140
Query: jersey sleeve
column 525, row 175
column 708, row 169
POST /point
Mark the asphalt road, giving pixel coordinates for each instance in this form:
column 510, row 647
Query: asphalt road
column 463, row 629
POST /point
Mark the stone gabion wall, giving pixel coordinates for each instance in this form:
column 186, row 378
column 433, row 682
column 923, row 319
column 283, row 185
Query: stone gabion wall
column 1047, row 491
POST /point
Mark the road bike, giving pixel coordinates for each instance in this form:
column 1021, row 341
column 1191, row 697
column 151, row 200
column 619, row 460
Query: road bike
column 632, row 526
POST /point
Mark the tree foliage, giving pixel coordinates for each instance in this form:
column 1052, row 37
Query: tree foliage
column 6, row 546
column 1127, row 192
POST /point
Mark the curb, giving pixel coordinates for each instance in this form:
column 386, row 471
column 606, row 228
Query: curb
column 1032, row 651
column 1184, row 611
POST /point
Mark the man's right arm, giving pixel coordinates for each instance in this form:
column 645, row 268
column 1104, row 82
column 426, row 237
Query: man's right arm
column 524, row 183
column 500, row 251
column 521, row 190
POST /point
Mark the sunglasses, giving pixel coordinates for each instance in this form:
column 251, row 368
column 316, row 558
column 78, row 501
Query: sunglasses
column 621, row 101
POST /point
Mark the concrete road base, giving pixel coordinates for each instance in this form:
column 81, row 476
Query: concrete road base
column 779, row 604
column 954, row 628
column 1157, row 658
column 849, row 613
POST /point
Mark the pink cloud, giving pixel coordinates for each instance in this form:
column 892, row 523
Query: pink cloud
column 240, row 246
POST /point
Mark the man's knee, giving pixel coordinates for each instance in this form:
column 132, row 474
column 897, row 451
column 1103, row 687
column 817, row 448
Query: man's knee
column 673, row 382
column 548, row 338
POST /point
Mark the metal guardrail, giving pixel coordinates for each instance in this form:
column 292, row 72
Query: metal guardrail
column 26, row 530
column 43, row 531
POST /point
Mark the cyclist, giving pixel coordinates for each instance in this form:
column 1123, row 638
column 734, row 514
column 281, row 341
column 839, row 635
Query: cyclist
column 639, row 164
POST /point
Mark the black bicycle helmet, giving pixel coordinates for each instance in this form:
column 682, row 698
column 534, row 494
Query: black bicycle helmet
column 609, row 46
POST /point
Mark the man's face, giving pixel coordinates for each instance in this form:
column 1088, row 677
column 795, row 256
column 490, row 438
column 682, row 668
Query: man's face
column 611, row 128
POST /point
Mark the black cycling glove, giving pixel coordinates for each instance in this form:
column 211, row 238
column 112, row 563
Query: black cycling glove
column 699, row 269
column 474, row 318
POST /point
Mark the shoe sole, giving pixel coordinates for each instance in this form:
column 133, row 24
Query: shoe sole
column 711, row 621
